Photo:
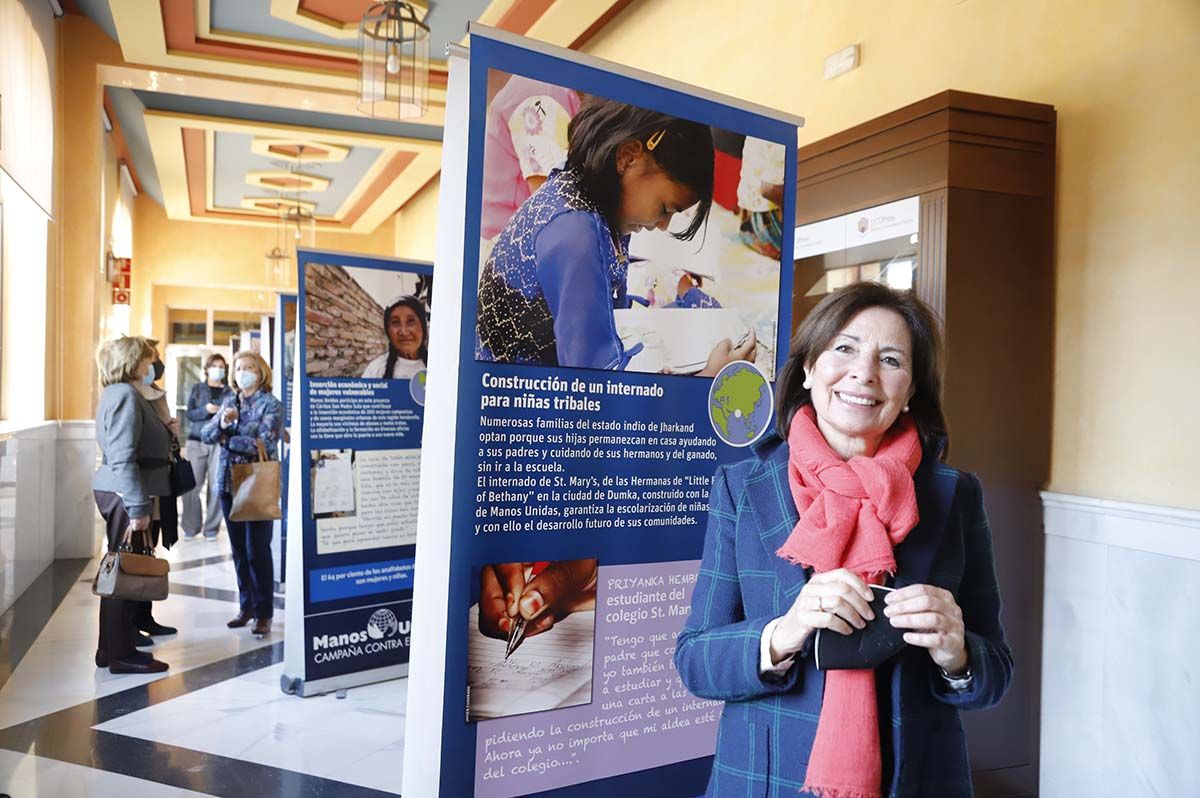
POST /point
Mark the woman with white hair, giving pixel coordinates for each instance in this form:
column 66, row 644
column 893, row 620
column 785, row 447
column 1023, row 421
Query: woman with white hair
column 133, row 471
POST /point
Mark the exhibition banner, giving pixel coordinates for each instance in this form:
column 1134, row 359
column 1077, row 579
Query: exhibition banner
column 614, row 299
column 358, row 406
column 283, row 355
column 283, row 352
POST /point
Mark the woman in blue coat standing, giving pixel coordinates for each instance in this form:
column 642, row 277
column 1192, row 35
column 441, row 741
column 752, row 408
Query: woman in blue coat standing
column 851, row 493
column 251, row 415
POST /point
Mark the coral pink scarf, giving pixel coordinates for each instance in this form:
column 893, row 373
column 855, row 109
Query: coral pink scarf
column 852, row 513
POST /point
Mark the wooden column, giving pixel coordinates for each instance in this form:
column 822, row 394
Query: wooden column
column 983, row 168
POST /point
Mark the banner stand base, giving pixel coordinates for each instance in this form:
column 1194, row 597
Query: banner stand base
column 297, row 686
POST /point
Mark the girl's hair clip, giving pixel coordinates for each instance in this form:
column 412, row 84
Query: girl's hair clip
column 653, row 141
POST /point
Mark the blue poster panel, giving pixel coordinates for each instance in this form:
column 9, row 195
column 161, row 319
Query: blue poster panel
column 283, row 355
column 363, row 330
column 284, row 352
column 625, row 297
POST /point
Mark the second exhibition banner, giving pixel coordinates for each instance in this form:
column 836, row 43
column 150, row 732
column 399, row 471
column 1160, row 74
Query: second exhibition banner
column 614, row 261
column 360, row 392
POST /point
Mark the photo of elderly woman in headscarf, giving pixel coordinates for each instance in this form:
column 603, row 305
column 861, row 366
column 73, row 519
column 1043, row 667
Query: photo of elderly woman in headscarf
column 407, row 329
column 367, row 322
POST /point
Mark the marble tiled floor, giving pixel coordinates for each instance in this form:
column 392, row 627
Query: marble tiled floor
column 218, row 574
column 216, row 722
column 358, row 739
column 58, row 671
column 24, row 774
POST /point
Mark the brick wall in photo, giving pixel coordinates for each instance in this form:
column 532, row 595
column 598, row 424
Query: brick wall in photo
column 343, row 324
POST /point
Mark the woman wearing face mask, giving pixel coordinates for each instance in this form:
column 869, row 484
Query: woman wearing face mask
column 134, row 470
column 253, row 414
column 407, row 331
column 203, row 403
column 164, row 523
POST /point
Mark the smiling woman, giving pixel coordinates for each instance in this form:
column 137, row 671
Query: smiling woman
column 861, row 437
column 863, row 356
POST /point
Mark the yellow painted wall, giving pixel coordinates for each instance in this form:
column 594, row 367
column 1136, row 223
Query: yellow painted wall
column 188, row 264
column 416, row 224
column 1125, row 78
column 85, row 168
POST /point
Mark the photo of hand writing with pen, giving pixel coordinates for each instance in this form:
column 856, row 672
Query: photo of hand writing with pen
column 531, row 637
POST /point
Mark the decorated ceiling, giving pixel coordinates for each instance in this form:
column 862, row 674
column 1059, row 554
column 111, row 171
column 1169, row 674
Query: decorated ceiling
column 224, row 110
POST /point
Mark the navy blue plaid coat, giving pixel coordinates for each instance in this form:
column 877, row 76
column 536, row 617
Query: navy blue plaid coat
column 769, row 722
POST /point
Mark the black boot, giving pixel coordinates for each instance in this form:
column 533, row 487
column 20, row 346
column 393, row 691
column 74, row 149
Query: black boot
column 153, row 627
column 149, row 665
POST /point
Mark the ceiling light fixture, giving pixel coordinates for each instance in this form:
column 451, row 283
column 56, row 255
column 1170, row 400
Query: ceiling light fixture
column 393, row 56
column 297, row 227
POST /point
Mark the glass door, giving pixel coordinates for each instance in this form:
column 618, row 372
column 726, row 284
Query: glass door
column 875, row 244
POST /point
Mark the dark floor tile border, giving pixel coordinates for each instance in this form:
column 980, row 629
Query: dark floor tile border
column 215, row 593
column 68, row 736
column 22, row 622
column 201, row 562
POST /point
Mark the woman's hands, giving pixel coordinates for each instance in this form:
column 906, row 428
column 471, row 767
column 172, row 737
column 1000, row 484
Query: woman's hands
column 212, row 408
column 838, row 600
column 140, row 524
column 725, row 353
column 937, row 620
column 229, row 416
column 834, row 600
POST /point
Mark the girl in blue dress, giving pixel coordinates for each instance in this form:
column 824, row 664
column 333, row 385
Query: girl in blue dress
column 558, row 270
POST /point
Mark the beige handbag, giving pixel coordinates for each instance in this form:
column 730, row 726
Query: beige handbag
column 129, row 574
column 256, row 489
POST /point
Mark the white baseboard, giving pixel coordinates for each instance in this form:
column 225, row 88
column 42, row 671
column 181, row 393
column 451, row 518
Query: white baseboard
column 84, row 429
column 1171, row 531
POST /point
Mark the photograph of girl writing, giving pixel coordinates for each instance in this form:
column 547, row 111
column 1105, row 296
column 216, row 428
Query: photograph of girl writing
column 630, row 254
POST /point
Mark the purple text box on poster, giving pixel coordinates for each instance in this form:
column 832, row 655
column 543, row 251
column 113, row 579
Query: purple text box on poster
column 640, row 716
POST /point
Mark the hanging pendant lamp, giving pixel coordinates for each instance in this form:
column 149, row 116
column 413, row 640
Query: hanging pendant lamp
column 393, row 55
column 297, row 226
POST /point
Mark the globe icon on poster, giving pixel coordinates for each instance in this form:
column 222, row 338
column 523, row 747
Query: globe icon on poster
column 383, row 623
column 416, row 387
column 740, row 402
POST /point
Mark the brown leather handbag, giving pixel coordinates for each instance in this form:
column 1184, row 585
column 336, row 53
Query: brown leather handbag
column 132, row 574
column 256, row 489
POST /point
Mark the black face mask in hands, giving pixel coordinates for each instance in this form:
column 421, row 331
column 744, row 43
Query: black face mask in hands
column 863, row 649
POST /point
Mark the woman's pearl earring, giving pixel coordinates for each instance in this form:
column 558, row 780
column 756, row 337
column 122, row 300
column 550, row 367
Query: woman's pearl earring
column 808, row 385
column 905, row 408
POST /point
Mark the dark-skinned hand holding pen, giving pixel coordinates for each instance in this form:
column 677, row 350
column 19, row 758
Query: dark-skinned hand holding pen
column 524, row 599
